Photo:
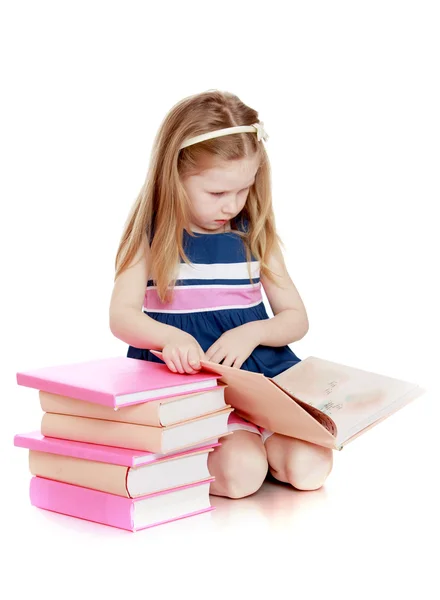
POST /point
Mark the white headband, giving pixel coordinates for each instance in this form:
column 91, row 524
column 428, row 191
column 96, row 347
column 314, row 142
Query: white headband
column 257, row 128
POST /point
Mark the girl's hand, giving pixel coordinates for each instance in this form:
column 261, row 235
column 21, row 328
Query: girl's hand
column 182, row 354
column 234, row 346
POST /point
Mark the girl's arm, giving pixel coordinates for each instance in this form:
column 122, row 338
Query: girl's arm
column 127, row 321
column 290, row 322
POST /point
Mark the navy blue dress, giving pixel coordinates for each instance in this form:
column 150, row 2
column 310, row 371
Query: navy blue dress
column 214, row 294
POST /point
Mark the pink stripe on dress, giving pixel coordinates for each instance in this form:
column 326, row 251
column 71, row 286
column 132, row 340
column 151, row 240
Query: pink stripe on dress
column 187, row 298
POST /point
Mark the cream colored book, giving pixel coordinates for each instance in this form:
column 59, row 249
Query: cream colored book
column 138, row 437
column 157, row 413
column 130, row 482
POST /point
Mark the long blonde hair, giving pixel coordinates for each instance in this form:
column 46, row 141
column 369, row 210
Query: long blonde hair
column 162, row 204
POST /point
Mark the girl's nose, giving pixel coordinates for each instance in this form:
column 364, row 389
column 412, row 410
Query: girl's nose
column 230, row 205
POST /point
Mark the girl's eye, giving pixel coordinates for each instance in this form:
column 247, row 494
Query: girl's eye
column 221, row 193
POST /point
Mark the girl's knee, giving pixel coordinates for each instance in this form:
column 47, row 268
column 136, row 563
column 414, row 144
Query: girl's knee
column 304, row 465
column 244, row 474
column 309, row 467
column 239, row 467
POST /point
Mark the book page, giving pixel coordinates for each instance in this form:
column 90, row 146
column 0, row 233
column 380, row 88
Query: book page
column 352, row 397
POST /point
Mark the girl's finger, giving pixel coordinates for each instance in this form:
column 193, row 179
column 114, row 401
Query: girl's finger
column 193, row 359
column 177, row 362
column 217, row 356
column 186, row 362
column 168, row 360
column 228, row 361
column 210, row 352
column 171, row 366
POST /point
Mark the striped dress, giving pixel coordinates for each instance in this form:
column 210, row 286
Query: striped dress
column 214, row 294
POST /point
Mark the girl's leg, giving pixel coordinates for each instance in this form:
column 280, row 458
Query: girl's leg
column 239, row 465
column 302, row 464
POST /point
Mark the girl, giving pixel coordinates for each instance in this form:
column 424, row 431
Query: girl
column 198, row 244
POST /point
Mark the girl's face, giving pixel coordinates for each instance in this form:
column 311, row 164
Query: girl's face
column 218, row 194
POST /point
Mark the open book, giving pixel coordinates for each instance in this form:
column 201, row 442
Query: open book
column 316, row 400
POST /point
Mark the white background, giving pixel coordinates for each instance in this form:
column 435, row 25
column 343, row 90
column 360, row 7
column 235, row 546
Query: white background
column 349, row 94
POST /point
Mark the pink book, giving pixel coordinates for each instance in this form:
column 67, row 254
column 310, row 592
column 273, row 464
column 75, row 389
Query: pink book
column 116, row 381
column 106, row 454
column 132, row 514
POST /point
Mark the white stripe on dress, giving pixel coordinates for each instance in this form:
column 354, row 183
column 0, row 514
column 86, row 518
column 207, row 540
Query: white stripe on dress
column 245, row 286
column 218, row 270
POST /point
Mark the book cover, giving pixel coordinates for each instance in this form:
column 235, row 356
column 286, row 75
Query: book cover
column 125, row 457
column 115, row 381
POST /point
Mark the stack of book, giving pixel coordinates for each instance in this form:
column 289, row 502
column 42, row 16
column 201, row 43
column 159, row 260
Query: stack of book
column 124, row 442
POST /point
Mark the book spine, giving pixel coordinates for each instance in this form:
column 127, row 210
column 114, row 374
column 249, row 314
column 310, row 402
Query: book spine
column 82, row 503
column 107, row 433
column 76, row 471
column 146, row 413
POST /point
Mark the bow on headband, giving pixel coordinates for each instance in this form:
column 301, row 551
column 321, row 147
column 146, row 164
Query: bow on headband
column 261, row 133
